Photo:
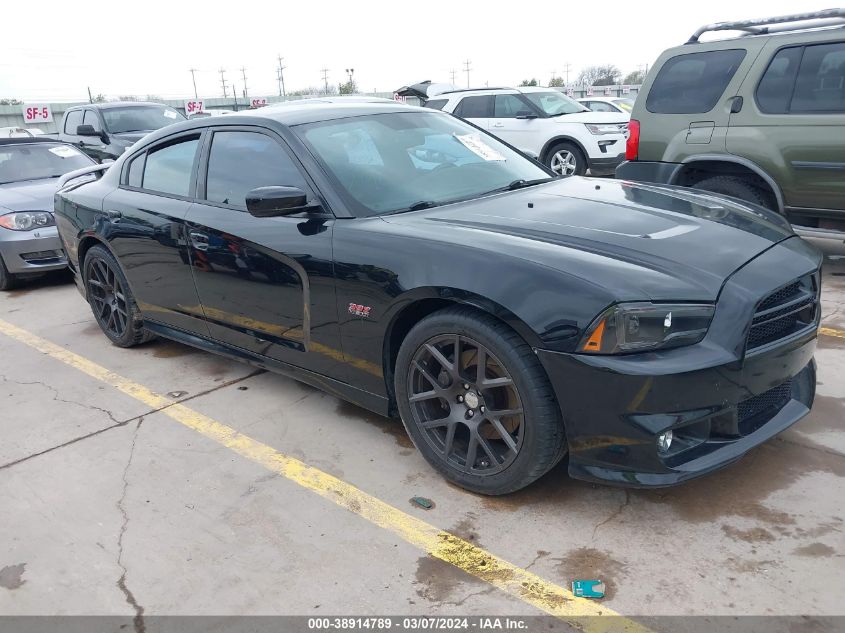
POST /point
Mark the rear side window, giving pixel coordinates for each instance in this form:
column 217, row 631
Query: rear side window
column 72, row 121
column 509, row 106
column 135, row 174
column 475, row 107
column 436, row 104
column 168, row 169
column 820, row 86
column 693, row 83
column 774, row 91
column 242, row 161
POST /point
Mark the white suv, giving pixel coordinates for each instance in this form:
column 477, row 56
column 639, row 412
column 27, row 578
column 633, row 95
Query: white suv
column 545, row 123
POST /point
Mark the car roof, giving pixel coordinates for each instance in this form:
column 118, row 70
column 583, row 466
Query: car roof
column 499, row 90
column 120, row 104
column 332, row 99
column 28, row 140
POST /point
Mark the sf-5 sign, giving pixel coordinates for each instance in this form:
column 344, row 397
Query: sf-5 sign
column 37, row 113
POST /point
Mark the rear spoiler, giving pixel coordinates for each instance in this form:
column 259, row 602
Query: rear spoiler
column 96, row 170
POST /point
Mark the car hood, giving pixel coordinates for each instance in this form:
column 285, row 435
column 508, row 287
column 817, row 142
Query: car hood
column 131, row 137
column 639, row 241
column 593, row 117
column 28, row 195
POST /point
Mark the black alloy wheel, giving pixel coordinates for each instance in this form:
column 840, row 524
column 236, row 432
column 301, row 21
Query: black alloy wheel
column 108, row 298
column 111, row 299
column 466, row 403
column 476, row 402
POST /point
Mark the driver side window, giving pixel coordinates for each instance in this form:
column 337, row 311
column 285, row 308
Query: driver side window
column 93, row 120
column 509, row 107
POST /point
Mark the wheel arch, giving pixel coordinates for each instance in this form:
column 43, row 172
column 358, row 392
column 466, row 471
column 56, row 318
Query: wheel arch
column 420, row 303
column 692, row 169
column 547, row 148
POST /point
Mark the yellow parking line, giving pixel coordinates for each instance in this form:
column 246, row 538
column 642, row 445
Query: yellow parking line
column 829, row 331
column 516, row 581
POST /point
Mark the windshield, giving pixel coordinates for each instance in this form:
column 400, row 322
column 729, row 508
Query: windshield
column 139, row 118
column 385, row 163
column 554, row 103
column 625, row 104
column 35, row 161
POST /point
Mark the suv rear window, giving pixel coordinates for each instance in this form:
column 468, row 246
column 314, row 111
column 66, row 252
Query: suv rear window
column 693, row 83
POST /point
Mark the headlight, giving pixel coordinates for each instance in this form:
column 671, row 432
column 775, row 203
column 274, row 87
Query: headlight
column 640, row 327
column 26, row 220
column 603, row 128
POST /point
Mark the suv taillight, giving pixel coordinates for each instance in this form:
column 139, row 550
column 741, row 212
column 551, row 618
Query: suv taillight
column 632, row 147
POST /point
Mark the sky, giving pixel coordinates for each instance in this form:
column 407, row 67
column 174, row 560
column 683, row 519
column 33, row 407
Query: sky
column 147, row 47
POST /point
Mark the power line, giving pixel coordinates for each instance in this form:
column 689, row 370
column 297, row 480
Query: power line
column 280, row 77
column 223, row 82
column 325, row 72
column 194, row 80
column 467, row 69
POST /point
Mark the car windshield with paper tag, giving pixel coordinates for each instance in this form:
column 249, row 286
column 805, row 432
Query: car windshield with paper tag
column 38, row 161
column 402, row 161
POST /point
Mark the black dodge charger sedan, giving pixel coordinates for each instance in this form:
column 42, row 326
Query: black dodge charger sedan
column 411, row 263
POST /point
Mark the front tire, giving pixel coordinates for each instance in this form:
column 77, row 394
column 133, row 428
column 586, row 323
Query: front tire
column 7, row 280
column 112, row 301
column 567, row 159
column 477, row 403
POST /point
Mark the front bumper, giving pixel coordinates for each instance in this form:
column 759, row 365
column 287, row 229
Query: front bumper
column 36, row 251
column 718, row 399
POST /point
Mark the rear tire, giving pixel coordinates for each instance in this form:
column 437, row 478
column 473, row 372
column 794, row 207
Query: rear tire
column 7, row 280
column 567, row 159
column 736, row 187
column 460, row 424
column 112, row 301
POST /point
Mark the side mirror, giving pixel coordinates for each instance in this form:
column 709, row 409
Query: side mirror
column 86, row 130
column 525, row 114
column 270, row 202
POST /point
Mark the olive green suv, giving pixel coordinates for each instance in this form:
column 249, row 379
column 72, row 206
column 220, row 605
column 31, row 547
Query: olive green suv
column 759, row 116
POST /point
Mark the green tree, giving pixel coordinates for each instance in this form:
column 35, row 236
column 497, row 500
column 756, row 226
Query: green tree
column 348, row 88
column 127, row 98
column 633, row 79
column 11, row 102
column 556, row 82
column 100, row 98
column 529, row 82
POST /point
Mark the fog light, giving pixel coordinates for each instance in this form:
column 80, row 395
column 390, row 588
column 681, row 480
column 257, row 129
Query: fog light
column 664, row 441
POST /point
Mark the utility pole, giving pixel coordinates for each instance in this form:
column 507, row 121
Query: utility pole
column 280, row 77
column 235, row 96
column 453, row 76
column 325, row 72
column 566, row 68
column 349, row 73
column 467, row 69
column 223, row 82
column 90, row 98
column 194, row 79
column 243, row 74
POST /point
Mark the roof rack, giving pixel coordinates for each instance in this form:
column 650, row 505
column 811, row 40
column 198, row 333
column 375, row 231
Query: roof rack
column 475, row 90
column 815, row 19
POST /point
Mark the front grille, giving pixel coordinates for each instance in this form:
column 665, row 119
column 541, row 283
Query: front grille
column 42, row 257
column 788, row 310
column 756, row 411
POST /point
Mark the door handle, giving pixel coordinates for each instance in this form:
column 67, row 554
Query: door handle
column 498, row 125
column 199, row 241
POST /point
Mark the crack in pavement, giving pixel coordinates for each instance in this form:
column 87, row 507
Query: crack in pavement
column 138, row 620
column 56, row 397
column 614, row 514
column 117, row 424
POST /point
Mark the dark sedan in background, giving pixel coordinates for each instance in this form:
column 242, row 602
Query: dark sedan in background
column 29, row 172
column 411, row 263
